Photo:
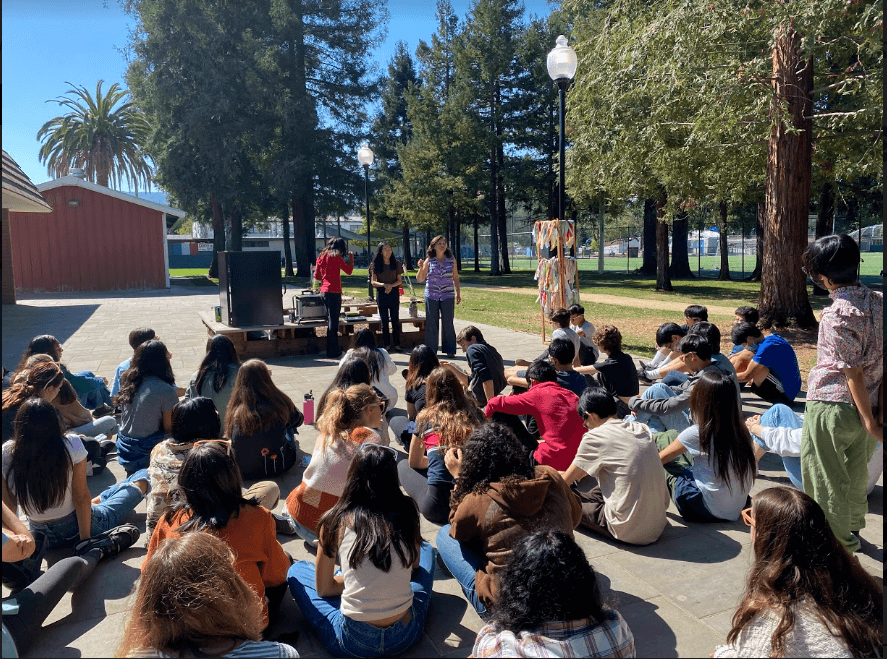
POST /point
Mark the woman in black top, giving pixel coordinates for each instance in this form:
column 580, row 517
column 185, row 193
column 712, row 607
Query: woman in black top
column 385, row 276
column 423, row 360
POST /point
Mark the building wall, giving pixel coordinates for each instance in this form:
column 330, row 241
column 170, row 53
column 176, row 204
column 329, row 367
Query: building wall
column 8, row 285
column 102, row 244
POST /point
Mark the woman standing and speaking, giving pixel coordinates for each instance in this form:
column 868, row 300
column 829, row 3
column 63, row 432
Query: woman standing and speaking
column 442, row 294
column 385, row 275
column 330, row 266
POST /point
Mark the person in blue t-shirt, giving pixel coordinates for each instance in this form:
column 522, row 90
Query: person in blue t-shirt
column 773, row 372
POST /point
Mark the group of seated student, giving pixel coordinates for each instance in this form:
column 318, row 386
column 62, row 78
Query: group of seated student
column 772, row 373
column 588, row 351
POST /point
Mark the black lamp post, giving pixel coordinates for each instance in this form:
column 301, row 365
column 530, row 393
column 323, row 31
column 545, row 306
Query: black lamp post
column 365, row 158
column 561, row 67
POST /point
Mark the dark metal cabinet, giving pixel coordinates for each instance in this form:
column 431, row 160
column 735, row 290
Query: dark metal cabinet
column 250, row 288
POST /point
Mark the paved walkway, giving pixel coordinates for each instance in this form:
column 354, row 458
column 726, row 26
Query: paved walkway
column 678, row 594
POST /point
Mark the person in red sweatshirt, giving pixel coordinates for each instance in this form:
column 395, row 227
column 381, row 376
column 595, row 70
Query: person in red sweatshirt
column 330, row 266
column 555, row 411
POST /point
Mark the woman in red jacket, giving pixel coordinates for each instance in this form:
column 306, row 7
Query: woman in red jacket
column 330, row 266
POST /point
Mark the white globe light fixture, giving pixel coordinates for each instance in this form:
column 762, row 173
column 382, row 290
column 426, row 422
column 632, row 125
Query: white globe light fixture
column 561, row 64
column 365, row 155
column 365, row 158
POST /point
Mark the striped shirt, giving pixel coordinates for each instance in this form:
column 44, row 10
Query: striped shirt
column 439, row 284
column 245, row 649
column 576, row 638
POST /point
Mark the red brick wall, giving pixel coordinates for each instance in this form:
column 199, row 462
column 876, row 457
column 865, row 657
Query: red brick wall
column 8, row 285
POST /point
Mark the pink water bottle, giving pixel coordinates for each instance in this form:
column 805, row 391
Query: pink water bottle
column 308, row 408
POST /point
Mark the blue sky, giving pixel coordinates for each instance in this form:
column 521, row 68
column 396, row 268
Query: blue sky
column 49, row 42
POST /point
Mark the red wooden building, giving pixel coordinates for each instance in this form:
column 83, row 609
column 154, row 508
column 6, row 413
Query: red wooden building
column 95, row 239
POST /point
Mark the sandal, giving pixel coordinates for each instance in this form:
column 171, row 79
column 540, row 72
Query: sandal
column 110, row 543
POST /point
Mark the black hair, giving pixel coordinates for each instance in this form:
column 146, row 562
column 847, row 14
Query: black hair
column 336, row 245
column 490, row 454
column 195, row 418
column 45, row 344
column 696, row 311
column 150, row 359
column 423, row 360
column 541, row 370
column 668, row 330
column 710, row 331
column 596, row 400
column 220, row 356
column 559, row 316
column 548, row 579
column 139, row 336
column 354, row 370
column 384, row 519
column 40, row 466
column 562, row 350
column 696, row 343
column 740, row 333
column 379, row 260
column 210, row 488
column 373, row 358
column 577, row 310
column 835, row 257
column 749, row 314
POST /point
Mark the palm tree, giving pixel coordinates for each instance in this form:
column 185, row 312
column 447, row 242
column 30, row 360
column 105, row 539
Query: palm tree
column 107, row 142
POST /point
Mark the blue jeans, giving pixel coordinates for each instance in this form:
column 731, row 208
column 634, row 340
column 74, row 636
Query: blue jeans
column 343, row 636
column 440, row 313
column 673, row 378
column 134, row 453
column 679, row 421
column 781, row 416
column 118, row 501
column 463, row 564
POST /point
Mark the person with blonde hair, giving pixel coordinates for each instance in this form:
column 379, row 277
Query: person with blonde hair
column 442, row 294
column 347, row 422
column 261, row 422
column 448, row 418
column 191, row 601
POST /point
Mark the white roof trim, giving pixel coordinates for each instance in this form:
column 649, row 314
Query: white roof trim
column 73, row 181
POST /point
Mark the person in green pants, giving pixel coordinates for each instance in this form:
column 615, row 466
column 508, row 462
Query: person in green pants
column 840, row 433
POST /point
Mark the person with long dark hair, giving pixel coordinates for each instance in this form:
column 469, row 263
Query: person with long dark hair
column 550, row 605
column 147, row 396
column 43, row 380
column 217, row 373
column 192, row 600
column 378, row 604
column 261, row 423
column 210, row 497
column 354, row 370
column 379, row 361
column 385, row 276
column 805, row 595
column 330, row 266
column 422, row 362
column 136, row 338
column 498, row 498
column 442, row 294
column 44, row 471
column 840, row 429
column 715, row 485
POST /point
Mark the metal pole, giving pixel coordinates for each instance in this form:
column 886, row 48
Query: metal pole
column 600, row 241
column 366, row 196
column 743, row 250
column 561, row 145
column 699, row 250
column 628, row 251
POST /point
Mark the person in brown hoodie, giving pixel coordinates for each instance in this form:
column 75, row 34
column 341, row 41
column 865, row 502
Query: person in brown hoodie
column 499, row 499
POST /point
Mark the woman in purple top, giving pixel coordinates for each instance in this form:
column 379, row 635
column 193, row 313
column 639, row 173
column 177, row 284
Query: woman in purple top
column 442, row 294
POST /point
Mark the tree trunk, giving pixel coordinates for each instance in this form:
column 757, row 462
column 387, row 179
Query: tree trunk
column 680, row 256
column 494, row 188
column 722, row 237
column 663, row 281
column 287, row 247
column 407, row 254
column 303, row 230
column 457, row 248
column 649, row 264
column 789, row 169
column 760, row 218
column 218, row 235
column 825, row 221
column 235, row 230
column 476, row 245
column 500, row 188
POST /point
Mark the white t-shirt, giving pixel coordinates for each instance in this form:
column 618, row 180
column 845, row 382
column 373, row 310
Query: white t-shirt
column 570, row 335
column 66, row 507
column 588, row 329
column 720, row 501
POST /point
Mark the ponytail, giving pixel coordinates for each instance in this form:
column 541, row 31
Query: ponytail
column 343, row 410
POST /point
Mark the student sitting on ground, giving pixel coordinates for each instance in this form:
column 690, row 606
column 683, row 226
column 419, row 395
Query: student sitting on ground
column 92, row 391
column 713, row 486
column 136, row 338
column 379, row 361
column 377, row 604
column 193, row 419
column 740, row 356
column 217, row 373
column 147, row 396
column 588, row 351
column 209, row 497
column 32, row 605
column 630, row 498
column 554, row 410
column 806, row 596
column 344, row 426
column 356, row 370
column 422, row 362
column 261, row 423
column 617, row 373
column 676, row 371
column 499, row 498
column 666, row 408
column 448, row 418
column 487, row 372
column 560, row 354
column 560, row 326
column 668, row 336
column 192, row 600
column 550, row 605
column 693, row 314
column 773, row 372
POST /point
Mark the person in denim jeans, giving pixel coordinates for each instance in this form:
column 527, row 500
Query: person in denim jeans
column 442, row 293
column 778, row 431
column 377, row 604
